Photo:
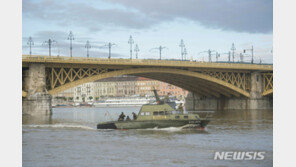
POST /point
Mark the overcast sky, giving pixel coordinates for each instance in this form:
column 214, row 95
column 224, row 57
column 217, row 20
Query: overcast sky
column 202, row 24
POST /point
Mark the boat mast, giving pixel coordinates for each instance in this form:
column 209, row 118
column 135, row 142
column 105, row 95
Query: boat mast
column 158, row 101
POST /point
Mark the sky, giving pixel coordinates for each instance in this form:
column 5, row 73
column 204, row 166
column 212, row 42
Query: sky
column 202, row 24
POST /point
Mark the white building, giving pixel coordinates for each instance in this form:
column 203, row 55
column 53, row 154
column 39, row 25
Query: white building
column 104, row 88
column 84, row 92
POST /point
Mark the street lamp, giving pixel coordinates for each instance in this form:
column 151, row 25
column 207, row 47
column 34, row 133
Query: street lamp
column 49, row 42
column 160, row 48
column 131, row 42
column 185, row 53
column 252, row 51
column 87, row 46
column 109, row 46
column 30, row 43
column 137, row 50
column 71, row 37
column 182, row 45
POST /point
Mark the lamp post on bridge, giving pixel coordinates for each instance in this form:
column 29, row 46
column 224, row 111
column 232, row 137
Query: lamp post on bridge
column 233, row 50
column 182, row 45
column 217, row 56
column 137, row 50
column 241, row 57
column 252, row 52
column 30, row 43
column 49, row 42
column 87, row 46
column 185, row 53
column 71, row 37
column 131, row 42
column 210, row 53
column 109, row 46
column 160, row 48
column 228, row 53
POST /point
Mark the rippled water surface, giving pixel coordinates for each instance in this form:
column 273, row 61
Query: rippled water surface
column 70, row 138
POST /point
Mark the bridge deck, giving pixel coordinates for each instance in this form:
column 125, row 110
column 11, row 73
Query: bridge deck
column 142, row 63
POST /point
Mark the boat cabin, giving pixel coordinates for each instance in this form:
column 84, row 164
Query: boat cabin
column 163, row 112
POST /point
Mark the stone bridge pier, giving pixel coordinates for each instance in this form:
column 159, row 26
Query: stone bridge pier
column 256, row 101
column 38, row 101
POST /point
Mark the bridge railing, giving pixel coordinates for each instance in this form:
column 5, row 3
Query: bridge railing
column 83, row 60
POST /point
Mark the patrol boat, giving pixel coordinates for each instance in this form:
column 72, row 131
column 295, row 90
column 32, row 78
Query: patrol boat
column 159, row 115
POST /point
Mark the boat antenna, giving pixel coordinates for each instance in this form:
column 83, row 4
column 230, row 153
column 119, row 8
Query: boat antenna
column 158, row 101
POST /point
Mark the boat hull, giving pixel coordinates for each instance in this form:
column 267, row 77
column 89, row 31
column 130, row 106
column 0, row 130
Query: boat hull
column 152, row 124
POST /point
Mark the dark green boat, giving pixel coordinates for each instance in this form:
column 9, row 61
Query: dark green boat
column 160, row 115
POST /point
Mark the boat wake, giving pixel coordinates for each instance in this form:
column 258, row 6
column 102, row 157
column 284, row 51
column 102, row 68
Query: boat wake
column 60, row 126
column 169, row 129
column 174, row 129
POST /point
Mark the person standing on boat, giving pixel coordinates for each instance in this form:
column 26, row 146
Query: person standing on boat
column 180, row 108
column 128, row 118
column 121, row 117
column 134, row 116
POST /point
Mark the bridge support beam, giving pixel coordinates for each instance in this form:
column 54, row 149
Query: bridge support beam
column 38, row 101
column 254, row 102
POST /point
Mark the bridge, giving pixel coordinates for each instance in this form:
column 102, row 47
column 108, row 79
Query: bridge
column 48, row 75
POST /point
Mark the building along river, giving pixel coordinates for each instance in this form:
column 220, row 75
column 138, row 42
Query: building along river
column 70, row 138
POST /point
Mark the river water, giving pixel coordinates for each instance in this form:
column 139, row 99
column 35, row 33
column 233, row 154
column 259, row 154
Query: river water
column 70, row 138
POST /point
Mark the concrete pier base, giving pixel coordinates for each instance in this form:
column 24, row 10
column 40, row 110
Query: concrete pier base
column 37, row 104
column 38, row 101
column 223, row 103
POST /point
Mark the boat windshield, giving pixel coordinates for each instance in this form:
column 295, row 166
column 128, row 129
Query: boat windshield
column 166, row 112
column 176, row 112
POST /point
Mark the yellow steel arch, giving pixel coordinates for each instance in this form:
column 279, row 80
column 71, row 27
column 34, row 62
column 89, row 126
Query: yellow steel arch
column 147, row 70
column 268, row 92
column 24, row 94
